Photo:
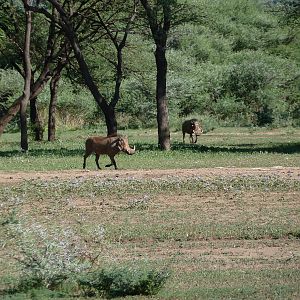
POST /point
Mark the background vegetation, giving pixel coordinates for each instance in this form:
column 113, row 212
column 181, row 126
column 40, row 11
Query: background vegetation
column 235, row 64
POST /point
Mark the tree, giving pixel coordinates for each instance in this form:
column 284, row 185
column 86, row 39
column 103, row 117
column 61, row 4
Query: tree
column 291, row 10
column 12, row 15
column 118, row 39
column 161, row 15
column 46, row 52
column 27, row 68
column 88, row 14
column 61, row 62
column 159, row 30
column 54, row 83
column 238, row 66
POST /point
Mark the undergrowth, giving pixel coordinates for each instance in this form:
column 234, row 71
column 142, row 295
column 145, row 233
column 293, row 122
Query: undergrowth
column 62, row 263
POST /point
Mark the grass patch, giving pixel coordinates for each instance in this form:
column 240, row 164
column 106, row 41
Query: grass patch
column 221, row 148
column 233, row 284
column 87, row 187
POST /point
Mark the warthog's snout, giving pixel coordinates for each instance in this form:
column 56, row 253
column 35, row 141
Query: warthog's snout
column 130, row 151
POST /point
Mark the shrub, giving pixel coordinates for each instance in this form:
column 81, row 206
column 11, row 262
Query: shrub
column 51, row 260
column 137, row 107
column 75, row 106
column 49, row 257
column 11, row 84
column 120, row 282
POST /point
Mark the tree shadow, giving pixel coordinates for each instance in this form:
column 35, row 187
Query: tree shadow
column 291, row 148
column 239, row 148
column 64, row 152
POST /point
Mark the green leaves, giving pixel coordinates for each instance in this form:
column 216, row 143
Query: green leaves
column 122, row 281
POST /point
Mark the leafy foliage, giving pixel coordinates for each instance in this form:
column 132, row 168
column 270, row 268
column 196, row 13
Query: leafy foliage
column 10, row 88
column 48, row 258
column 121, row 282
column 236, row 62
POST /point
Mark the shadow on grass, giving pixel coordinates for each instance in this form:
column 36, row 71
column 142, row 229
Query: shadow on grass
column 44, row 152
column 241, row 148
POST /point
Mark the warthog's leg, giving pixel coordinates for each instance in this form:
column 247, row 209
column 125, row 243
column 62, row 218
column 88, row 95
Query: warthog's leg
column 97, row 161
column 183, row 136
column 113, row 162
column 86, row 155
column 195, row 139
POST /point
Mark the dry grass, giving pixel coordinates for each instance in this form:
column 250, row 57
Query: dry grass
column 230, row 236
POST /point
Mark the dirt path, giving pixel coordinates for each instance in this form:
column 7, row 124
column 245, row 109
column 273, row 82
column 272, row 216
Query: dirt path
column 16, row 176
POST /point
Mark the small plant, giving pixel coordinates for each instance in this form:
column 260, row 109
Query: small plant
column 10, row 218
column 121, row 282
column 141, row 203
column 295, row 233
column 50, row 257
column 252, row 129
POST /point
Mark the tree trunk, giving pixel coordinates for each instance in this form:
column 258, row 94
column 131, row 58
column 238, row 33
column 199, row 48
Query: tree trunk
column 52, row 107
column 161, row 98
column 26, row 92
column 23, row 122
column 35, row 119
column 111, row 121
column 159, row 30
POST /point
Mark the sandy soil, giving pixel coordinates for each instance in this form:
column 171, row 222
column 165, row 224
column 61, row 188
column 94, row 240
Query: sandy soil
column 16, row 176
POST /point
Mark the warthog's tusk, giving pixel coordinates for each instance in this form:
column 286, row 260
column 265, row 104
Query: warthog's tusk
column 133, row 148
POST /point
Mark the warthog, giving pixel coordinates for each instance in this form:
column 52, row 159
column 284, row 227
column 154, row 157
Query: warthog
column 193, row 128
column 110, row 145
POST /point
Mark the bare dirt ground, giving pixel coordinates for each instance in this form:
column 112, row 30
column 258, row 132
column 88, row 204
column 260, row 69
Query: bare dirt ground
column 16, row 176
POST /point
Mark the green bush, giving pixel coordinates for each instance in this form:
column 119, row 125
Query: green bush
column 137, row 106
column 11, row 84
column 121, row 282
column 75, row 105
column 51, row 256
column 239, row 62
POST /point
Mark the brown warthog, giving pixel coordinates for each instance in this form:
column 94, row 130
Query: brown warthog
column 110, row 145
column 193, row 128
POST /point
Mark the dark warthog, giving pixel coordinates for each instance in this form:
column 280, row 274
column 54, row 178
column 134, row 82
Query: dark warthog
column 110, row 146
column 193, row 128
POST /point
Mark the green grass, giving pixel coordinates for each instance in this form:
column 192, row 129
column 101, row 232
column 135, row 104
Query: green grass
column 232, row 284
column 224, row 147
